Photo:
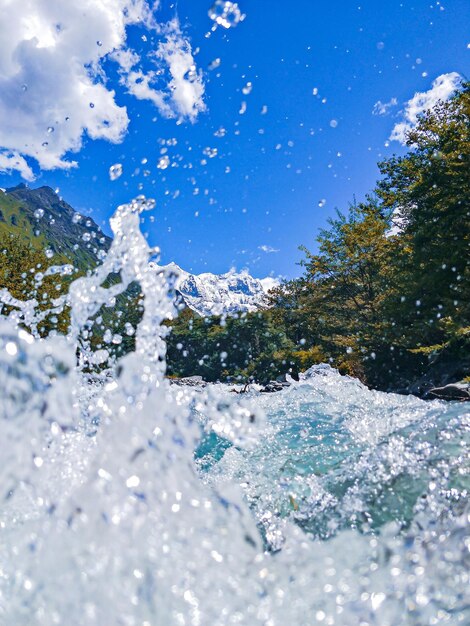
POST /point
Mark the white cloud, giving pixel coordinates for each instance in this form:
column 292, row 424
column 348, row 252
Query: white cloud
column 398, row 223
column 383, row 108
column 53, row 86
column 184, row 87
column 186, row 83
column 12, row 161
column 442, row 89
column 267, row 249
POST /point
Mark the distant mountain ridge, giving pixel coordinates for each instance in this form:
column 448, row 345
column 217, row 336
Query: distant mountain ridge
column 218, row 294
column 48, row 223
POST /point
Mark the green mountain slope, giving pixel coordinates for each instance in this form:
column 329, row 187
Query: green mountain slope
column 40, row 217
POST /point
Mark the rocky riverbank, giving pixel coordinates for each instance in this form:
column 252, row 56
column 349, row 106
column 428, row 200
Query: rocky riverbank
column 456, row 391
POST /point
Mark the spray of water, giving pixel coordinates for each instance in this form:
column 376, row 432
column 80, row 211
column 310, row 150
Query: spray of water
column 130, row 501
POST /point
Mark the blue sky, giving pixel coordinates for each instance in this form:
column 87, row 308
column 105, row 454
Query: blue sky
column 283, row 165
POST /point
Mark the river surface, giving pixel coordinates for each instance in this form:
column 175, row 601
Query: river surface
column 130, row 501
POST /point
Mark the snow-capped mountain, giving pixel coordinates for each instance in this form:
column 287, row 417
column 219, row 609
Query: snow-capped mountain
column 218, row 294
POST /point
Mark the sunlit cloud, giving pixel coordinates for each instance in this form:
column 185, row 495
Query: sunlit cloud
column 442, row 89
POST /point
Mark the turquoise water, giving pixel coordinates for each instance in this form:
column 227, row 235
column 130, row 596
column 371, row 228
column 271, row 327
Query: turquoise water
column 338, row 456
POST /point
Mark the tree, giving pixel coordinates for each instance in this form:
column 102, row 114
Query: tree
column 23, row 273
column 349, row 279
column 429, row 191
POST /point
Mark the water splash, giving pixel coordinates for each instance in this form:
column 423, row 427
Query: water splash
column 325, row 503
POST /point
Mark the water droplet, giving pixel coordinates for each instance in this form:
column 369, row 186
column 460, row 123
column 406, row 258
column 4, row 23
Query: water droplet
column 49, row 253
column 11, row 348
column 24, row 87
column 214, row 64
column 333, row 123
column 221, row 132
column 38, row 213
column 92, row 105
column 130, row 330
column 115, row 171
column 45, row 144
column 247, row 88
column 163, row 162
column 315, row 91
column 242, row 108
column 264, row 109
column 322, row 203
column 50, row 129
column 225, row 13
column 132, row 481
column 99, row 43
column 210, row 152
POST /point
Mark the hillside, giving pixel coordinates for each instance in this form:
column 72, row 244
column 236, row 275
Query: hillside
column 42, row 218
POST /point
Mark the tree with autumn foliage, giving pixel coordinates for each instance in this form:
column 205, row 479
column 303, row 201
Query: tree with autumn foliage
column 23, row 275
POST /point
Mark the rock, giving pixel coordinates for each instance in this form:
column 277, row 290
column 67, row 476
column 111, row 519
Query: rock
column 190, row 381
column 453, row 391
column 273, row 386
column 287, row 378
column 420, row 388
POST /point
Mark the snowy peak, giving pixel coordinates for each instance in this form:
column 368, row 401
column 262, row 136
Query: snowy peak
column 218, row 294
